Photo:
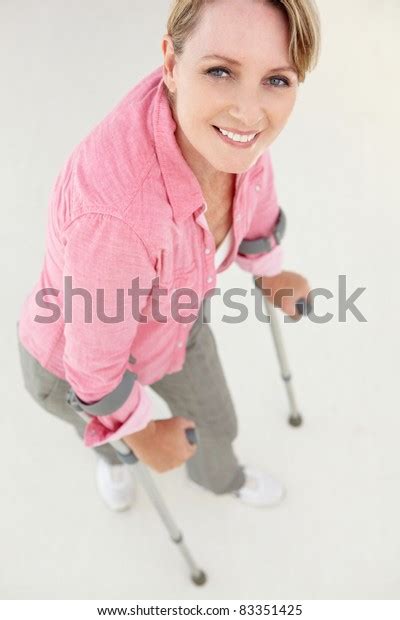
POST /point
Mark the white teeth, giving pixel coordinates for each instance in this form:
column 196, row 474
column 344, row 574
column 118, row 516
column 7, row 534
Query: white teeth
column 236, row 137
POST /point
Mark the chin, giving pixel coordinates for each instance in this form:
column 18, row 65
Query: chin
column 232, row 167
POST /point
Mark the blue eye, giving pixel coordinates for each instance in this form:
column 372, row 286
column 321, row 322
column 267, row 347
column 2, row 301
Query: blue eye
column 279, row 79
column 211, row 71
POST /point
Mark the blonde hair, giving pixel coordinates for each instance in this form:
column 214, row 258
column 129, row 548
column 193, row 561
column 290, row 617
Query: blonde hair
column 302, row 17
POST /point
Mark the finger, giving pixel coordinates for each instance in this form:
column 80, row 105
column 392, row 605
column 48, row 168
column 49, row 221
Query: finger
column 189, row 423
column 192, row 449
column 294, row 317
column 189, row 450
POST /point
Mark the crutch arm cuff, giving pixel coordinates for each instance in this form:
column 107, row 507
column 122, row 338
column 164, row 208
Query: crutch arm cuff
column 265, row 244
column 110, row 402
column 101, row 430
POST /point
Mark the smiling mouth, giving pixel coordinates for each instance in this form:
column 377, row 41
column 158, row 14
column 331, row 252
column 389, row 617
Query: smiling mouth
column 227, row 138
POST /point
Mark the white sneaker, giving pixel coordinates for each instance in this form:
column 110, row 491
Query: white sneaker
column 260, row 489
column 115, row 484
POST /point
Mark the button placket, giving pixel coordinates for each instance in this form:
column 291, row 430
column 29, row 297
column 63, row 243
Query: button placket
column 189, row 278
column 207, row 250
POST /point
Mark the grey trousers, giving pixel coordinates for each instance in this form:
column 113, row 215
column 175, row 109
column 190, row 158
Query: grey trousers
column 199, row 391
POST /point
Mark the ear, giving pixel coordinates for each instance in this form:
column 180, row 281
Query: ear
column 167, row 48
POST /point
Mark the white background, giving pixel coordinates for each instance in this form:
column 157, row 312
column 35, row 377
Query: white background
column 336, row 535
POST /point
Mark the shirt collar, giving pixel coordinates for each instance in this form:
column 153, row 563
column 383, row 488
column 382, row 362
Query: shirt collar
column 183, row 188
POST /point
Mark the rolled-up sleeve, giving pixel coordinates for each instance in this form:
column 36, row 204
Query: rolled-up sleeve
column 103, row 254
column 262, row 224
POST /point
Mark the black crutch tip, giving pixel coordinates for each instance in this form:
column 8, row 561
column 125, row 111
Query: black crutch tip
column 199, row 579
column 295, row 420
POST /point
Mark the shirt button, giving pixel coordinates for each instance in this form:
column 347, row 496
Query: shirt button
column 209, row 279
column 207, row 250
column 257, row 188
column 180, row 344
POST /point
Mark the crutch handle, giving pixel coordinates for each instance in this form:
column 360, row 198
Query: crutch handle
column 191, row 435
column 302, row 304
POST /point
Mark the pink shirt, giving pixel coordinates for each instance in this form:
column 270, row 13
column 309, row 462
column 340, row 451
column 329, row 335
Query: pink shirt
column 127, row 204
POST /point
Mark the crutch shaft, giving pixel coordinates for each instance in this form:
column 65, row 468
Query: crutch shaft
column 127, row 456
column 295, row 418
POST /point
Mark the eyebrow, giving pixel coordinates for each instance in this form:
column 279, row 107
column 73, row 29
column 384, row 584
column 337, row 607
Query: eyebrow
column 232, row 61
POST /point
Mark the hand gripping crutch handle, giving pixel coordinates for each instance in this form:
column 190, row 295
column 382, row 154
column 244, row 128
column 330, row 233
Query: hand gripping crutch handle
column 130, row 457
column 303, row 305
column 124, row 452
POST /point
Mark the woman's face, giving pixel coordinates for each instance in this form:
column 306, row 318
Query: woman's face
column 255, row 94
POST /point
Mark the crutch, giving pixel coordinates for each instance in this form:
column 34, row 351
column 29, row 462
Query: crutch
column 303, row 306
column 127, row 456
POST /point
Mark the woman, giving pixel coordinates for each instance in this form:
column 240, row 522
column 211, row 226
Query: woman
column 159, row 196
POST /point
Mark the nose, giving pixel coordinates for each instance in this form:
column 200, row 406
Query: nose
column 247, row 110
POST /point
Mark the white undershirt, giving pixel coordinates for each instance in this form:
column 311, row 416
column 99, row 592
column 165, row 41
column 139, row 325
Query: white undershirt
column 224, row 248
